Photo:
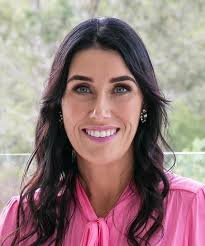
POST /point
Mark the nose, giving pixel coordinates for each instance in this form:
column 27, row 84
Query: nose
column 101, row 108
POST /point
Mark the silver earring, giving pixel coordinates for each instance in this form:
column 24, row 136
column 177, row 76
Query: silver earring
column 60, row 118
column 143, row 115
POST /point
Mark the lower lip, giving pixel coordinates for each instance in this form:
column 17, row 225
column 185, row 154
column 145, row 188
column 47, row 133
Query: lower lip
column 99, row 139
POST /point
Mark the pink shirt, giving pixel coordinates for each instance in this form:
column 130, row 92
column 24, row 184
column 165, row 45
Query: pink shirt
column 184, row 221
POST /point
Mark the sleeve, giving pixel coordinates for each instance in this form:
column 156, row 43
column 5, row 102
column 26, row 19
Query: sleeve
column 8, row 220
column 195, row 224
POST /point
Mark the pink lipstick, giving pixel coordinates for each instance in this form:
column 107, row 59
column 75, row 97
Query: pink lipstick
column 100, row 139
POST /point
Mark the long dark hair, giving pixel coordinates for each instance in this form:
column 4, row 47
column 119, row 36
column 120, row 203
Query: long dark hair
column 50, row 193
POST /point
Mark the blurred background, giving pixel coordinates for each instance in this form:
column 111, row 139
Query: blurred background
column 30, row 33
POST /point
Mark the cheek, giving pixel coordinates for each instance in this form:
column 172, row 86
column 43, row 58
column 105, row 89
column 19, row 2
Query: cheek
column 130, row 109
column 131, row 118
column 73, row 114
column 72, row 109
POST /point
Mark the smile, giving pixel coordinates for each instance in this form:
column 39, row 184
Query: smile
column 101, row 136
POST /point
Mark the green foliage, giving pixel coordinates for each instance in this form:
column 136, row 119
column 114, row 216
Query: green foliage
column 51, row 22
column 191, row 166
column 30, row 31
column 198, row 144
column 27, row 42
column 186, row 127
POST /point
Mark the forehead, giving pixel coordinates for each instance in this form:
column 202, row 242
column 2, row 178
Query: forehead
column 97, row 61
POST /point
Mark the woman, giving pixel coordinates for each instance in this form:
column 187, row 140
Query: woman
column 100, row 178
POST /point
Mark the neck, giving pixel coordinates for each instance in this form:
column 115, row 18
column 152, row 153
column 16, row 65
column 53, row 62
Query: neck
column 104, row 184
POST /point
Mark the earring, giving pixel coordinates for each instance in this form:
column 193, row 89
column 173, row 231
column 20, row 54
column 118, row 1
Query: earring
column 60, row 117
column 143, row 115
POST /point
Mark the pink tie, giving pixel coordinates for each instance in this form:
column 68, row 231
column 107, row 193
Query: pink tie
column 96, row 233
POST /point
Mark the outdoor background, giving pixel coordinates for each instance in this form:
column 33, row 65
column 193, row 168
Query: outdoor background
column 30, row 33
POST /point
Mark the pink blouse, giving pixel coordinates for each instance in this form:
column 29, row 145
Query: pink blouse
column 184, row 221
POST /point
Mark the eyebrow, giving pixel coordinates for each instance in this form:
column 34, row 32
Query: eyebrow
column 112, row 80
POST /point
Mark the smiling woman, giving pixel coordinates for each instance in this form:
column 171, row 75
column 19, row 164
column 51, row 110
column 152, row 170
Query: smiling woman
column 96, row 104
column 100, row 177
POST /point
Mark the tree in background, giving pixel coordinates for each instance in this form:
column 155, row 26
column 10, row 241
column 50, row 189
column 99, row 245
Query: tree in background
column 30, row 31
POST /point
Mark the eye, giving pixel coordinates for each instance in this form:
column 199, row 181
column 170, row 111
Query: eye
column 122, row 89
column 119, row 89
column 82, row 89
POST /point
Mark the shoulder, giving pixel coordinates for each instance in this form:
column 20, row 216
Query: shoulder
column 184, row 192
column 180, row 183
column 186, row 198
column 8, row 218
column 12, row 205
column 184, row 219
column 10, row 208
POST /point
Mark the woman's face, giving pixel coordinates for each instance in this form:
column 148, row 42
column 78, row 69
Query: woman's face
column 101, row 99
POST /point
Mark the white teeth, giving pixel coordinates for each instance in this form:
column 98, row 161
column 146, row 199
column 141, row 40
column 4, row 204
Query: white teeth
column 101, row 134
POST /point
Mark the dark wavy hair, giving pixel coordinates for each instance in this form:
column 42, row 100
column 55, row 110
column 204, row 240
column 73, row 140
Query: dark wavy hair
column 49, row 194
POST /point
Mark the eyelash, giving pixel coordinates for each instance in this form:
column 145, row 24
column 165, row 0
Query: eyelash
column 128, row 88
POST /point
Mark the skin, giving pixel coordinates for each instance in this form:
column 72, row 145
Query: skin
column 105, row 168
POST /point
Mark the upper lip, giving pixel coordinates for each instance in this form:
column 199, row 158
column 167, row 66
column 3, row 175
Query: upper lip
column 100, row 128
